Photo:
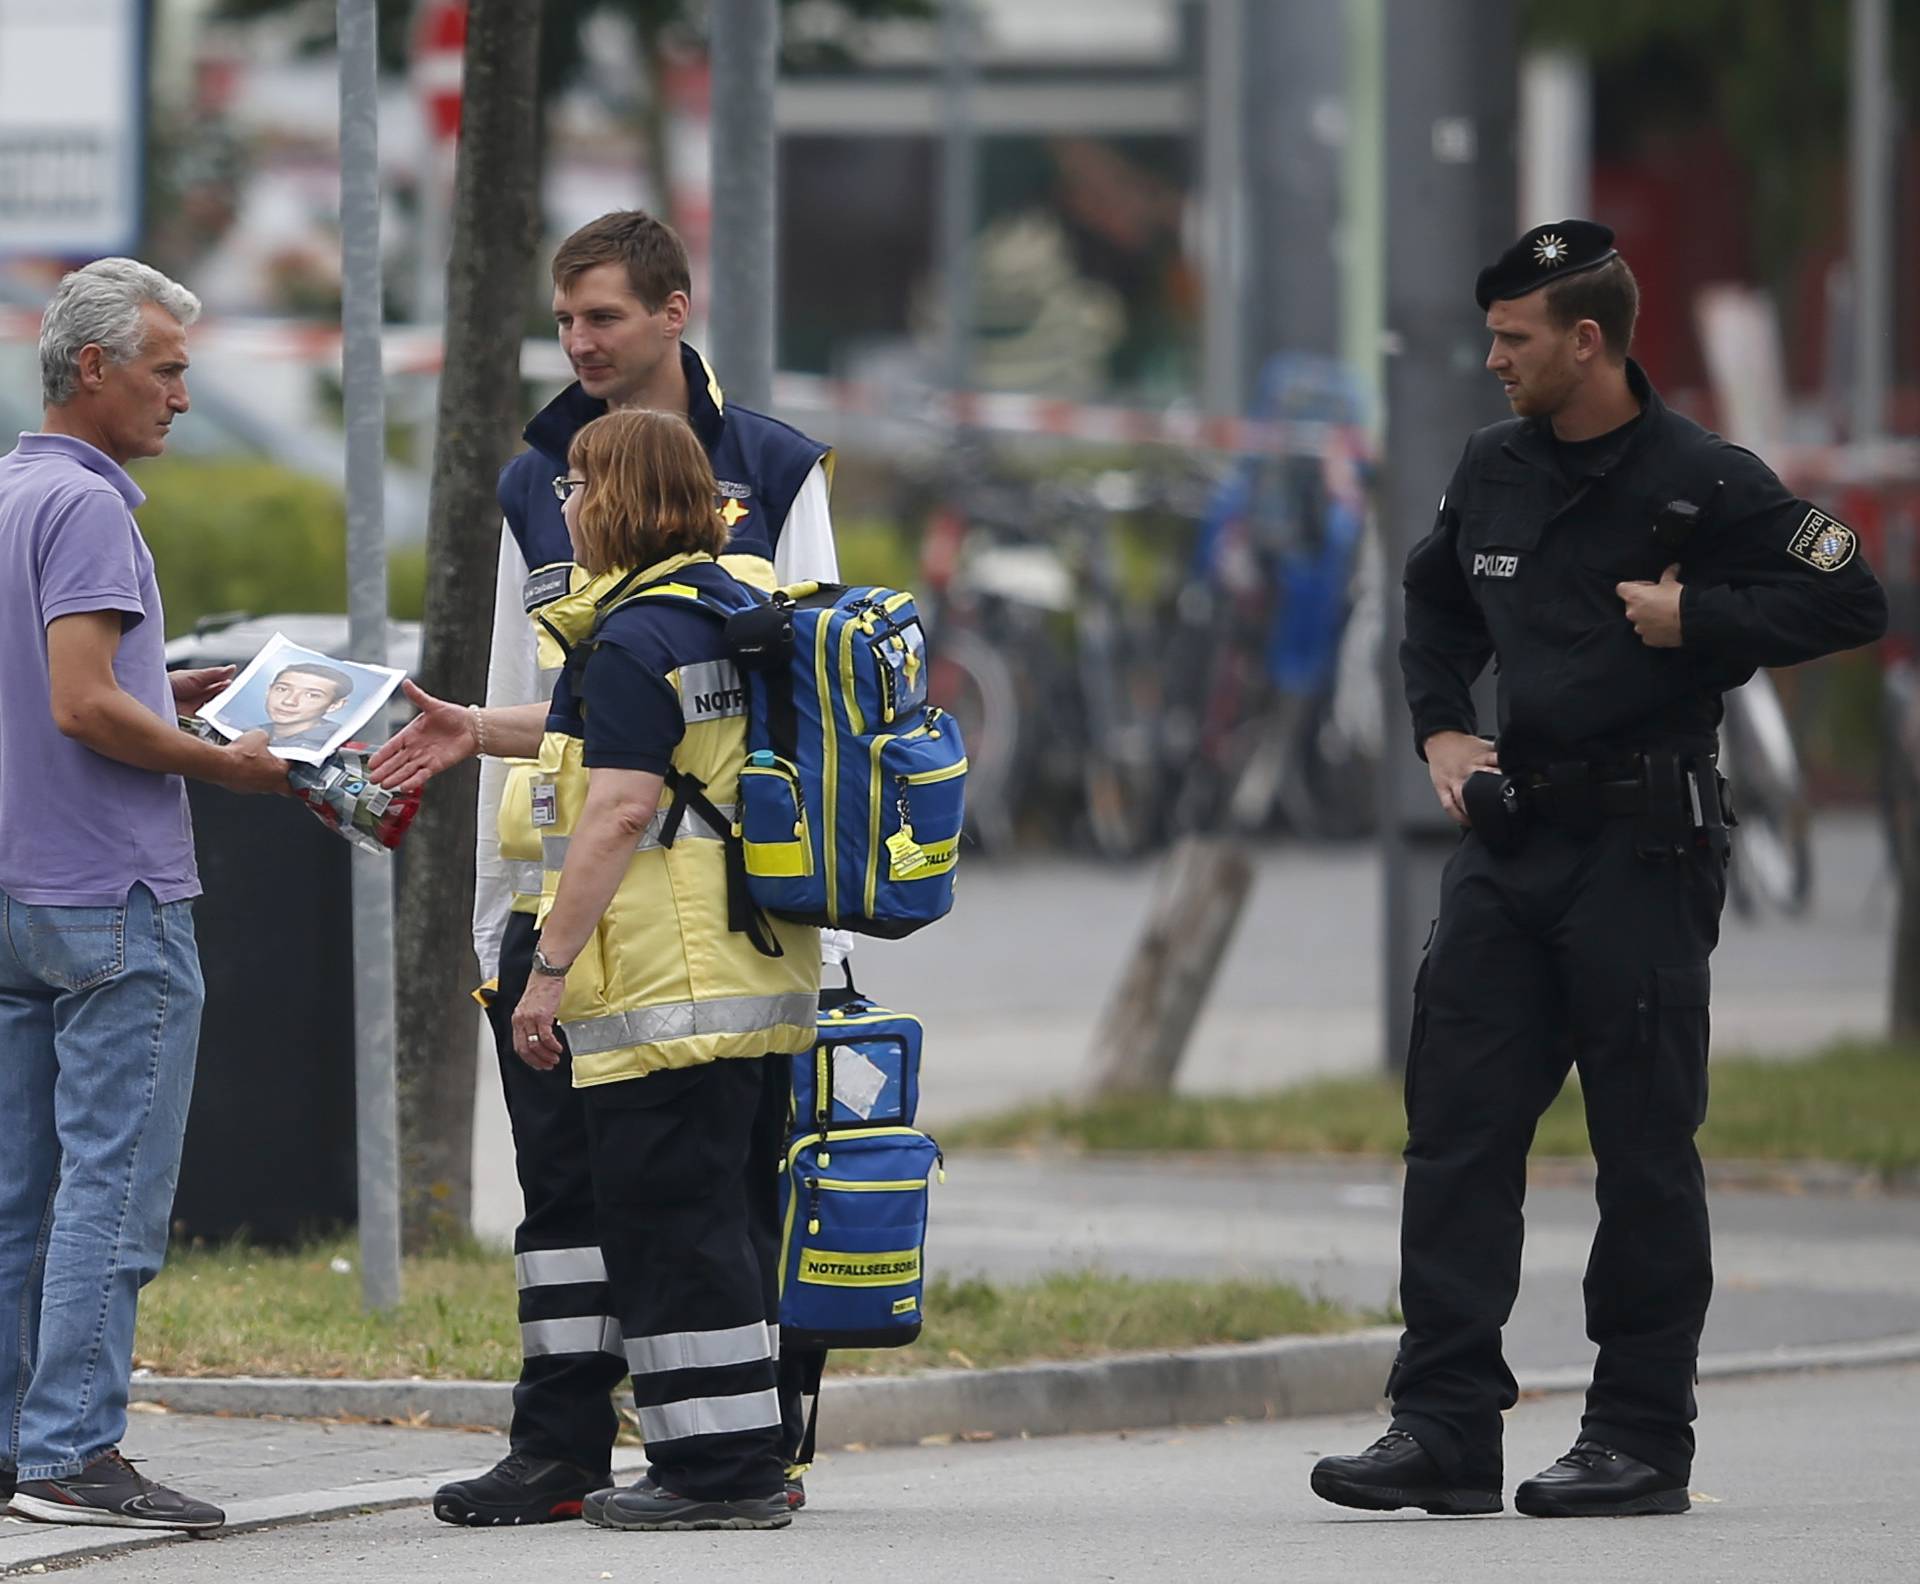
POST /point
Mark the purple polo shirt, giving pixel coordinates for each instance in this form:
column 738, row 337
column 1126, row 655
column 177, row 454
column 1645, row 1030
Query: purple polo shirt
column 78, row 829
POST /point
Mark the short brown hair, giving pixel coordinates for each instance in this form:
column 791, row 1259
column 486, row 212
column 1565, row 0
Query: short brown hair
column 649, row 491
column 651, row 250
column 1609, row 296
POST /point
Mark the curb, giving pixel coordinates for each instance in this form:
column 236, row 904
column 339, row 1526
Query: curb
column 1286, row 1378
column 1771, row 1361
column 1726, row 1174
column 1282, row 1378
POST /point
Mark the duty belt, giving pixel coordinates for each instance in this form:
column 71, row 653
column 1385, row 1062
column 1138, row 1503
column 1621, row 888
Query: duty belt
column 1678, row 793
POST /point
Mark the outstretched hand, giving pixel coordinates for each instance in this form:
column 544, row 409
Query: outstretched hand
column 192, row 689
column 438, row 738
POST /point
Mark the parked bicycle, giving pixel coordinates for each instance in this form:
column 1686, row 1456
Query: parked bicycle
column 1772, row 864
column 1273, row 702
column 1038, row 656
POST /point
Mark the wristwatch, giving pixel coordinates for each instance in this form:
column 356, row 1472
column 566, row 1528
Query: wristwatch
column 548, row 970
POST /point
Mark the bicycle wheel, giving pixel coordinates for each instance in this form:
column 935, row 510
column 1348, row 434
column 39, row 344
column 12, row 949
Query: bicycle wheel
column 1772, row 863
column 971, row 682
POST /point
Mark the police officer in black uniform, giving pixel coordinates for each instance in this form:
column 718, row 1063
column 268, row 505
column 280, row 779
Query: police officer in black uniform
column 1622, row 567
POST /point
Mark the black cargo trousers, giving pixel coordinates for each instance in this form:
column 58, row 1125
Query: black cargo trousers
column 1576, row 950
column 573, row 1356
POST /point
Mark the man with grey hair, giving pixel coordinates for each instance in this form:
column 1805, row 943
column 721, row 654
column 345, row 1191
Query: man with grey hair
column 100, row 986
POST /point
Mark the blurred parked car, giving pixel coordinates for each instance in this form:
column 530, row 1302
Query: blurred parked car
column 235, row 638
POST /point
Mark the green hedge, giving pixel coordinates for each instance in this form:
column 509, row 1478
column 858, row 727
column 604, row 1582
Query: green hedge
column 253, row 536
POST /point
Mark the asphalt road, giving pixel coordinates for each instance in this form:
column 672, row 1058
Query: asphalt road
column 1802, row 1479
column 1790, row 1270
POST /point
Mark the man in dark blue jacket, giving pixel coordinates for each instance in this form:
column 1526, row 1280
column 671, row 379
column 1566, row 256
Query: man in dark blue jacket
column 621, row 299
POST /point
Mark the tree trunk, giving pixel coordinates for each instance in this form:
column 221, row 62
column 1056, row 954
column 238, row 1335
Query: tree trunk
column 495, row 234
column 1144, row 1034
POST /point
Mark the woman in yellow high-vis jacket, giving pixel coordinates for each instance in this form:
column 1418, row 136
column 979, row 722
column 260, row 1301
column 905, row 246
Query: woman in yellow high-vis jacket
column 678, row 1028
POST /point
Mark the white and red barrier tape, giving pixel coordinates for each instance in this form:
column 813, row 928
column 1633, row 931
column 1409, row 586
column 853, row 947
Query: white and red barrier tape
column 410, row 351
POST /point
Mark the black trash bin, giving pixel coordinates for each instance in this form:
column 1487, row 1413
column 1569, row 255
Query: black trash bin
column 270, row 1139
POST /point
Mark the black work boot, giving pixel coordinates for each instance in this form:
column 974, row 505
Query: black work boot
column 646, row 1505
column 1396, row 1471
column 519, row 1489
column 1594, row 1481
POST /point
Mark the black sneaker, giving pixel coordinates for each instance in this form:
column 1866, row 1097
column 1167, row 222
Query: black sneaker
column 796, row 1494
column 1594, row 1481
column 647, row 1506
column 7, row 1479
column 109, row 1492
column 1396, row 1471
column 519, row 1489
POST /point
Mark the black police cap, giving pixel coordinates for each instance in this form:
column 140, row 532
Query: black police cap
column 1545, row 254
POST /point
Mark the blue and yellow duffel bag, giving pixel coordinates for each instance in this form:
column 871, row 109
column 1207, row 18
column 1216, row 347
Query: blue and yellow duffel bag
column 855, row 1185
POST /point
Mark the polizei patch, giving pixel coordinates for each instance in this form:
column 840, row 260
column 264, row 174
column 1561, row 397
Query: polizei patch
column 1495, row 566
column 1823, row 543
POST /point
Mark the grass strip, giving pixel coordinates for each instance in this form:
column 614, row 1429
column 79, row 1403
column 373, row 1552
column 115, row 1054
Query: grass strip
column 1856, row 1103
column 244, row 1311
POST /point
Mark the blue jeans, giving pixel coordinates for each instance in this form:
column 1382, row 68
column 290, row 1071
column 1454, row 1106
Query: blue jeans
column 99, row 1027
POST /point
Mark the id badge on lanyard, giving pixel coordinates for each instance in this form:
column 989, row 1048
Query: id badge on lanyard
column 546, row 801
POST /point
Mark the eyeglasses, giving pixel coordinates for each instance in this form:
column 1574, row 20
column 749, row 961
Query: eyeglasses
column 563, row 487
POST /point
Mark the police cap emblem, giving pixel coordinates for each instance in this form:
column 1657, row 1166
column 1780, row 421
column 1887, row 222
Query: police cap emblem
column 1546, row 253
column 1823, row 543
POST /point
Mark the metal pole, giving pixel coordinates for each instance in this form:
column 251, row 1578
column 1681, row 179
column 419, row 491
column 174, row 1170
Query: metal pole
column 1295, row 130
column 959, row 195
column 375, row 1089
column 1451, row 71
column 1556, row 136
column 1870, row 197
column 1363, row 219
column 1223, row 172
column 746, row 47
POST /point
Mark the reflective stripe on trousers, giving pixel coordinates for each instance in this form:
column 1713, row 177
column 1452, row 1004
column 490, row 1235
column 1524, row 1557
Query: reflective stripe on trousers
column 553, row 849
column 695, row 1416
column 558, row 1267
column 576, row 1334
column 672, row 1020
column 679, row 1350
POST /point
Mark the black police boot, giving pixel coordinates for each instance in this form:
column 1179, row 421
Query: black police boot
column 1396, row 1471
column 519, row 1490
column 1594, row 1481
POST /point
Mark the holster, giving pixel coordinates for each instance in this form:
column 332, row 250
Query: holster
column 1667, row 826
column 1496, row 810
column 1713, row 809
